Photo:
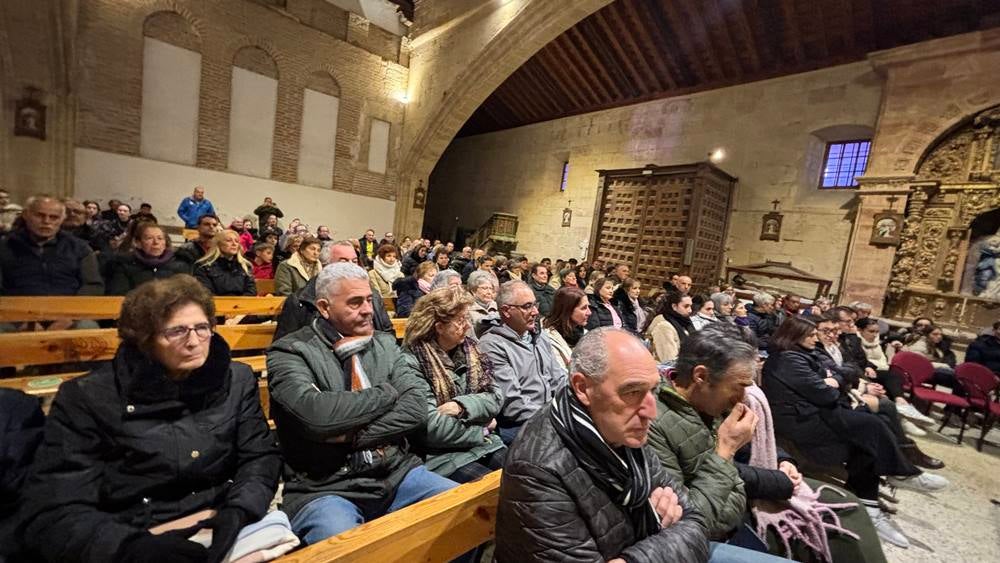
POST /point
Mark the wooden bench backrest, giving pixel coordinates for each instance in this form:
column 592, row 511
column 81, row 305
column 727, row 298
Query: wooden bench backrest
column 437, row 529
column 64, row 346
column 20, row 309
column 264, row 286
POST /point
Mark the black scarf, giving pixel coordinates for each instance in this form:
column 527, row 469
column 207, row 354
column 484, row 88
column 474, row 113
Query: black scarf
column 682, row 324
column 620, row 472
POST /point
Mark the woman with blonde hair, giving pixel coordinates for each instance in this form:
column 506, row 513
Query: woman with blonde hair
column 293, row 274
column 223, row 270
column 460, row 440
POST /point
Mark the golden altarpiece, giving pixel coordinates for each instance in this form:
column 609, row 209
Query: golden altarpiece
column 947, row 265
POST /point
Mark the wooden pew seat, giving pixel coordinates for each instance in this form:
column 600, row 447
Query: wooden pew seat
column 437, row 529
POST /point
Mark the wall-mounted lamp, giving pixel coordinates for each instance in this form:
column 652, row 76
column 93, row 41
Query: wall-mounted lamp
column 717, row 155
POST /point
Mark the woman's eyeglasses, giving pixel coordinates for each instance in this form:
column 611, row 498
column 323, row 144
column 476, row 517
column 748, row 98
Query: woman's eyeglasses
column 178, row 334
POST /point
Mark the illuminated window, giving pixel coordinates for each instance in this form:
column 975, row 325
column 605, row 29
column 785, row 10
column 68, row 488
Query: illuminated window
column 843, row 163
column 565, row 176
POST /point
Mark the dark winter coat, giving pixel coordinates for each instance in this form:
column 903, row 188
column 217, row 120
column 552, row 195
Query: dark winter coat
column 599, row 313
column 763, row 325
column 551, row 510
column 411, row 261
column 226, row 277
column 627, row 309
column 985, row 350
column 407, row 292
column 545, row 294
column 126, row 448
column 191, row 251
column 313, row 406
column 128, row 271
column 21, row 423
column 760, row 483
column 64, row 265
column 854, row 352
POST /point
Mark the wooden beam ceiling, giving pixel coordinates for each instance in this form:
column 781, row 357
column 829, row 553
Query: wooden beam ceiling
column 638, row 50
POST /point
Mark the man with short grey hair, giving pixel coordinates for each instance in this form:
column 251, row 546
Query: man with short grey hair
column 300, row 308
column 345, row 400
column 523, row 364
column 763, row 319
column 580, row 484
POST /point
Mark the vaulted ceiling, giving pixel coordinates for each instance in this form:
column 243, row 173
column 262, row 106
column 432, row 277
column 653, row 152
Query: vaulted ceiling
column 637, row 50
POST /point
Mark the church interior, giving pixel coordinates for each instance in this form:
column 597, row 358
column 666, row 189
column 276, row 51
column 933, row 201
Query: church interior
column 845, row 151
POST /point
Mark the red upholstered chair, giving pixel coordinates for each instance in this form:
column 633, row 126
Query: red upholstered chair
column 981, row 384
column 917, row 371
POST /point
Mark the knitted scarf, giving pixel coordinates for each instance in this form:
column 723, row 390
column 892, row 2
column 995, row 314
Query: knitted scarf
column 387, row 272
column 348, row 350
column 802, row 517
column 479, row 372
column 153, row 261
column 620, row 472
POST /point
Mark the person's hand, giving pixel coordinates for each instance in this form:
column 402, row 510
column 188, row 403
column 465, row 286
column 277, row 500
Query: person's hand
column 789, row 469
column 175, row 546
column 492, row 425
column 736, row 431
column 870, row 373
column 832, row 382
column 225, row 526
column 451, row 408
column 875, row 389
column 666, row 505
column 64, row 324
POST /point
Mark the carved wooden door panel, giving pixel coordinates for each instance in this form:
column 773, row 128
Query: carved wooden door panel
column 664, row 220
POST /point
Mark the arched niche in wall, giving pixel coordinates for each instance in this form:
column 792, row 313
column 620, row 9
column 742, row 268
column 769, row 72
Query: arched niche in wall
column 171, row 83
column 254, row 102
column 318, row 140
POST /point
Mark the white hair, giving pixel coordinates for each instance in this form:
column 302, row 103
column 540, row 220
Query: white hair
column 330, row 277
column 506, row 294
column 324, row 254
column 762, row 299
column 480, row 278
column 441, row 278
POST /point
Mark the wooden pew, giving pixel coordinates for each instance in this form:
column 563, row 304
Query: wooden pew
column 437, row 529
column 65, row 346
column 21, row 309
column 264, row 286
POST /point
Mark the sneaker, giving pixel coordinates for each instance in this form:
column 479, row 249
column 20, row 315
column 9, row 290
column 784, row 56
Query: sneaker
column 925, row 482
column 887, row 529
column 912, row 429
column 911, row 412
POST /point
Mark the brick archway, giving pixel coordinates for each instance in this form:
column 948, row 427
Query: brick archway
column 535, row 24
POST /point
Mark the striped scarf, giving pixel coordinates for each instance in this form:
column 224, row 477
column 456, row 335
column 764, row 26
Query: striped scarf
column 620, row 472
column 479, row 372
column 349, row 348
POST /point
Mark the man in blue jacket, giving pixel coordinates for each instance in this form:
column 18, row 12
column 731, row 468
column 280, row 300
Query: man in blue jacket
column 193, row 207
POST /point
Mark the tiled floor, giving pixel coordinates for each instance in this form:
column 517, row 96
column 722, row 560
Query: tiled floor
column 959, row 524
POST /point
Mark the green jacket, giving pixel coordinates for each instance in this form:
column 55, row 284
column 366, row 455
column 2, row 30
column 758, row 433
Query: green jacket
column 448, row 442
column 322, row 423
column 685, row 444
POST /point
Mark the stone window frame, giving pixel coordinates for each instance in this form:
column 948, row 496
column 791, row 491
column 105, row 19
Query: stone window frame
column 866, row 144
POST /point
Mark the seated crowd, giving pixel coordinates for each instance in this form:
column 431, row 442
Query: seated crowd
column 629, row 426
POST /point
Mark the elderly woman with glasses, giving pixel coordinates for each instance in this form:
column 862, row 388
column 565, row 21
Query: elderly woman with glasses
column 483, row 287
column 460, row 440
column 172, row 428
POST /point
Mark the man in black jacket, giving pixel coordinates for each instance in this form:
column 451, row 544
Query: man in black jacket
column 299, row 309
column 985, row 349
column 579, row 483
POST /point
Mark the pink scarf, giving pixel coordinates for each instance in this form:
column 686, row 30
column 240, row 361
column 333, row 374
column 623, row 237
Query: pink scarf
column 802, row 516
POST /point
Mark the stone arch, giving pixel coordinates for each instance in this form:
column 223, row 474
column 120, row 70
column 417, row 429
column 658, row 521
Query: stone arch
column 256, row 59
column 322, row 80
column 192, row 21
column 171, row 27
column 536, row 24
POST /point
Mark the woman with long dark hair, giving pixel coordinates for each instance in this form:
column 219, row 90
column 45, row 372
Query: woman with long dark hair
column 567, row 321
column 151, row 258
column 670, row 326
column 809, row 412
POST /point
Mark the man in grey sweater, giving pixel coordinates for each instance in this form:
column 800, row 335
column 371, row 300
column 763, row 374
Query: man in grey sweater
column 523, row 364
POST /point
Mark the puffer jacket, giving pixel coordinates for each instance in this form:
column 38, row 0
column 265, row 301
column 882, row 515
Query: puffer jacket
column 551, row 510
column 545, row 294
column 684, row 441
column 446, row 442
column 527, row 372
column 126, row 448
column 128, row 271
column 226, row 277
column 314, row 407
column 763, row 325
column 407, row 292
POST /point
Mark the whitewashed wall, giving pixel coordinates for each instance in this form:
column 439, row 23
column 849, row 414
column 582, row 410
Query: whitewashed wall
column 251, row 122
column 171, row 77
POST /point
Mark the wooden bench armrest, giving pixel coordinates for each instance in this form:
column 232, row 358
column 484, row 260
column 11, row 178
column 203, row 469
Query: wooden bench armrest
column 437, row 529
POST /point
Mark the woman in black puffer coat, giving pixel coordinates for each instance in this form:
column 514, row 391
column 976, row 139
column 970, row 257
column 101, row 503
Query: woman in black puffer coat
column 169, row 428
column 224, row 271
column 151, row 259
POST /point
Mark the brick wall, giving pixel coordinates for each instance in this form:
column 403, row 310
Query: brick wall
column 298, row 41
